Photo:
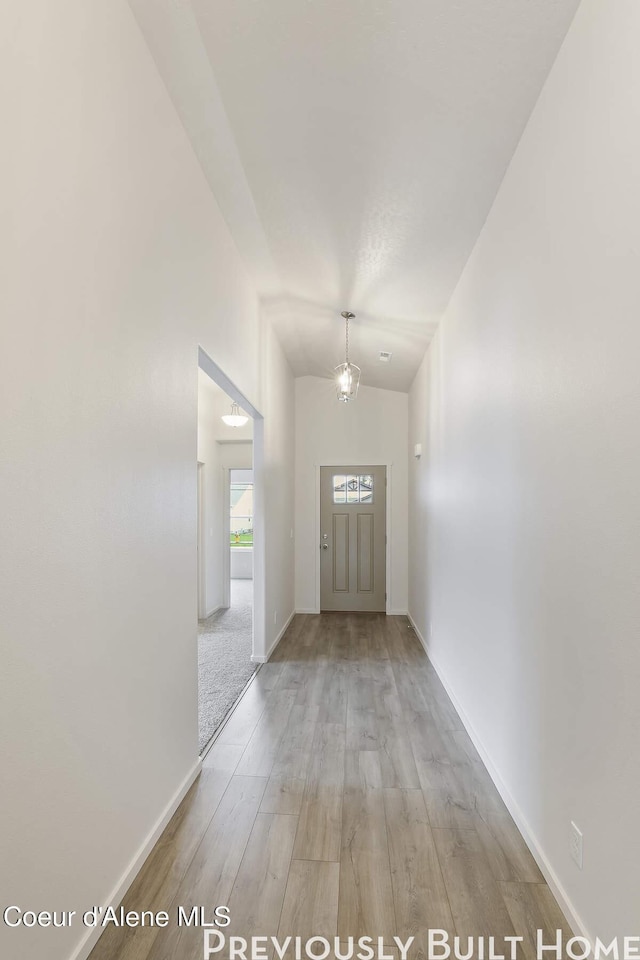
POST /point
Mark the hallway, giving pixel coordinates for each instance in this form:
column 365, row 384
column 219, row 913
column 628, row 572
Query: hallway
column 343, row 798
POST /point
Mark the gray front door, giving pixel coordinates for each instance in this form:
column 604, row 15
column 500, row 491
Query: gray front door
column 352, row 538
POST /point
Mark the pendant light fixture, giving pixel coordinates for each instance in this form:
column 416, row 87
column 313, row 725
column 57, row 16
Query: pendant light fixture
column 235, row 418
column 347, row 373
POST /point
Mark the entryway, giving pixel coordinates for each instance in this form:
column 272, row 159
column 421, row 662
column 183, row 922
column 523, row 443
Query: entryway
column 353, row 538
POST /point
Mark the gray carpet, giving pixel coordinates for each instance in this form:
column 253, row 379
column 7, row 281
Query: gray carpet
column 224, row 659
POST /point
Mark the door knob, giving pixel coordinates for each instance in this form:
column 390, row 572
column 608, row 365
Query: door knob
column 325, row 546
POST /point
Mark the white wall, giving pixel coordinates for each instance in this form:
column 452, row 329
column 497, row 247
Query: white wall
column 419, row 508
column 212, row 521
column 370, row 430
column 276, row 552
column 236, row 456
column 116, row 265
column 529, row 496
column 242, row 563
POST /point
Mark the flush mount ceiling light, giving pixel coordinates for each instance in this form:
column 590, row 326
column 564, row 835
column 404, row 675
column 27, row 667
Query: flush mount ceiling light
column 235, row 418
column 347, row 373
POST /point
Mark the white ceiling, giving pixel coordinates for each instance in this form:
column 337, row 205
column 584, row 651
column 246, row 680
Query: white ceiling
column 355, row 148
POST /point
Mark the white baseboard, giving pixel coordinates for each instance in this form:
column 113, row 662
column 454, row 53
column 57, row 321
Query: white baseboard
column 275, row 642
column 389, row 613
column 571, row 914
column 420, row 637
column 213, row 610
column 93, row 935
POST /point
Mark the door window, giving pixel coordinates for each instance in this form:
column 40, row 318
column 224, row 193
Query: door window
column 352, row 488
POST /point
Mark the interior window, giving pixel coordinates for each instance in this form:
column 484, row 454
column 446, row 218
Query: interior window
column 241, row 520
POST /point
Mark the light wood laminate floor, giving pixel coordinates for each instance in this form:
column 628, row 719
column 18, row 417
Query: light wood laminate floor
column 343, row 798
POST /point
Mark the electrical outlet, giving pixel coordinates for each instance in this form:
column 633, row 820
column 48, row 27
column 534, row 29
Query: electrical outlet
column 575, row 844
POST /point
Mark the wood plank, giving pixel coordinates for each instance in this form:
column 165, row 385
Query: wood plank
column 366, row 895
column 460, row 741
column 505, row 849
column 443, row 711
column 261, row 751
column 354, row 637
column 310, row 692
column 482, row 793
column 294, row 637
column 396, row 756
column 428, row 742
column 310, row 907
column 362, row 729
column 268, row 675
column 243, row 720
column 476, row 901
column 362, row 770
column 333, row 704
column 320, row 823
column 446, row 798
column 412, row 688
column 533, row 907
column 419, row 893
column 223, row 756
column 258, row 892
column 288, row 779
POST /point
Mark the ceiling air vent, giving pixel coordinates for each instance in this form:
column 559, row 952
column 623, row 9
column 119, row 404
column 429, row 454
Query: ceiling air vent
column 385, row 356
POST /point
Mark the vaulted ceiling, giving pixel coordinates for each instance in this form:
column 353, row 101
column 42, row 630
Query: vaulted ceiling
column 355, row 148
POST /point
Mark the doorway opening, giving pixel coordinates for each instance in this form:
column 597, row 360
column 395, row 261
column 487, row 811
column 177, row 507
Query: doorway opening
column 228, row 494
column 353, row 538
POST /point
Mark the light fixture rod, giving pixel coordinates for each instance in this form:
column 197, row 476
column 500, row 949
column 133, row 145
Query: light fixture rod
column 347, row 316
column 347, row 373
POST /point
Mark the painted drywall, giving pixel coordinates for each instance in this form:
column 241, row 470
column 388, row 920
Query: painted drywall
column 370, row 430
column 275, row 554
column 212, row 497
column 117, row 265
column 528, row 499
column 236, row 456
column 418, row 499
column 241, row 563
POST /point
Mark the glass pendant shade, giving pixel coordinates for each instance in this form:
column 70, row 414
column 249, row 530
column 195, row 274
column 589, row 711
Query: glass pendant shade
column 347, row 380
column 347, row 373
column 235, row 418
